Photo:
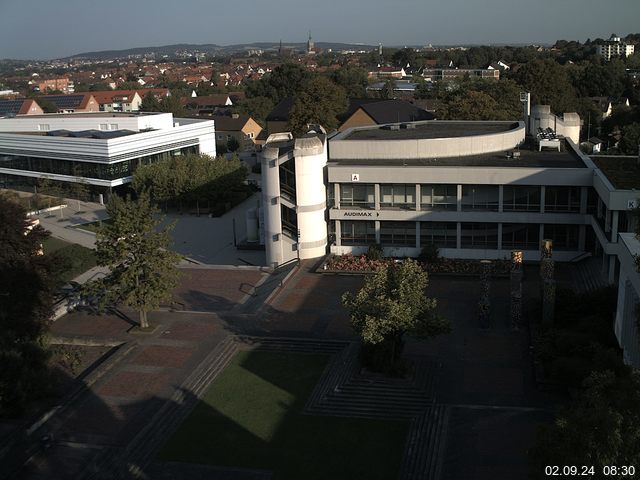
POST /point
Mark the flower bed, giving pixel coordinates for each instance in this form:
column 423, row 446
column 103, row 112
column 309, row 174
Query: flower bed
column 458, row 266
column 453, row 266
column 352, row 263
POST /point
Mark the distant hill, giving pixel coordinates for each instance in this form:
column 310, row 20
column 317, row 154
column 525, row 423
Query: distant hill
column 209, row 48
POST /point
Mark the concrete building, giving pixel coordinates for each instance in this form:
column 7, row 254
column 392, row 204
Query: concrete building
column 101, row 150
column 614, row 47
column 63, row 85
column 476, row 190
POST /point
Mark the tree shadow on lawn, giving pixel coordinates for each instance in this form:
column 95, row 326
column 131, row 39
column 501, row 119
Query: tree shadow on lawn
column 252, row 417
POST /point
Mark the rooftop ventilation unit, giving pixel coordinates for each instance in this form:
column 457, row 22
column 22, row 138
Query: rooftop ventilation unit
column 394, row 127
column 409, row 126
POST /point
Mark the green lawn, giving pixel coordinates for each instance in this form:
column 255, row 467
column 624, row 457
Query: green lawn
column 75, row 259
column 251, row 417
column 93, row 226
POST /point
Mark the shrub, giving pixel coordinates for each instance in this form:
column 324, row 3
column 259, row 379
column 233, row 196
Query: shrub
column 375, row 252
column 429, row 254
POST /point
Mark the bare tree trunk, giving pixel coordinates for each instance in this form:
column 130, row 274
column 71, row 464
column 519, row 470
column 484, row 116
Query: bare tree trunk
column 143, row 319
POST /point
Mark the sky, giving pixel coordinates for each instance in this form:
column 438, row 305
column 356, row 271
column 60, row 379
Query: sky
column 45, row 29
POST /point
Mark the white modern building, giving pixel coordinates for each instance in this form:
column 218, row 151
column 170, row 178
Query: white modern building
column 615, row 47
column 476, row 190
column 101, row 149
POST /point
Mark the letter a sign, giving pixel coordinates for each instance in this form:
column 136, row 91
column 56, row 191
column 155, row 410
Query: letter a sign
column 355, row 177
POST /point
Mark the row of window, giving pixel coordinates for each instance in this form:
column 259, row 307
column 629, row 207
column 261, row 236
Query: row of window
column 444, row 234
column 102, row 171
column 515, row 198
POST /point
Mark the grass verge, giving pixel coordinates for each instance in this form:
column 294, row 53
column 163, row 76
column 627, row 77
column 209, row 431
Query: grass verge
column 74, row 259
column 252, row 417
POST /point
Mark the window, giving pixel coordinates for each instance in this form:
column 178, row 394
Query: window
column 287, row 172
column 113, row 126
column 357, row 233
column 521, row 198
column 439, row 197
column 43, row 127
column 354, row 195
column 480, row 197
column 289, row 222
column 565, row 237
column 398, row 234
column 479, row 235
column 440, row 234
column 398, row 196
column 562, row 199
column 524, row 236
column 250, row 135
column 104, row 126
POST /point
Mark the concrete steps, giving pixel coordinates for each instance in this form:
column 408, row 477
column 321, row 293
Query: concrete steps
column 425, row 445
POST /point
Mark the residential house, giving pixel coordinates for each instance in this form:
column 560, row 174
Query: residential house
column 241, row 127
column 20, row 106
column 73, row 103
column 278, row 118
column 369, row 112
column 389, row 72
column 209, row 104
column 118, row 100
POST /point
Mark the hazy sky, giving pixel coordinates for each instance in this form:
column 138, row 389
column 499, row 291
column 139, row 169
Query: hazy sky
column 56, row 28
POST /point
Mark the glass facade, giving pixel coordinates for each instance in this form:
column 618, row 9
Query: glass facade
column 78, row 168
column 562, row 199
column 289, row 222
column 524, row 236
column 359, row 196
column 565, row 237
column 479, row 235
column 357, row 233
column 398, row 234
column 480, row 197
column 439, row 197
column 287, row 172
column 398, row 196
column 440, row 234
column 521, row 198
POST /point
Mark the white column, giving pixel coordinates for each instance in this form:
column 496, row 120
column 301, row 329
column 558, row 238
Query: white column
column 338, row 233
column 418, row 195
column 271, row 204
column 459, row 198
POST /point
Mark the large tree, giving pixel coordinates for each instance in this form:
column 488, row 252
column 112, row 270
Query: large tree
column 143, row 269
column 27, row 283
column 393, row 303
column 549, row 84
column 601, row 428
column 319, row 102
